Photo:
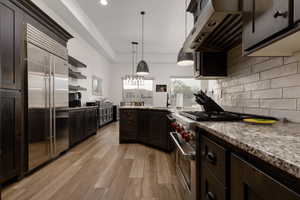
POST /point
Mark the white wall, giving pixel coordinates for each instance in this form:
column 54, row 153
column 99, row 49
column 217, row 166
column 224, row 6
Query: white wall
column 81, row 50
column 160, row 72
column 97, row 66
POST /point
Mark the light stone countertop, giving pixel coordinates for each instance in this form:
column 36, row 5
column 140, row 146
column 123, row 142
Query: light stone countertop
column 278, row 144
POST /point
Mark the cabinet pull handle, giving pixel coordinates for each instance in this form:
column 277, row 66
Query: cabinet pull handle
column 210, row 196
column 280, row 14
column 211, row 157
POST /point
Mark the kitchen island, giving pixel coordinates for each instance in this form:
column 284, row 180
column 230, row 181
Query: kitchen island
column 146, row 125
column 241, row 161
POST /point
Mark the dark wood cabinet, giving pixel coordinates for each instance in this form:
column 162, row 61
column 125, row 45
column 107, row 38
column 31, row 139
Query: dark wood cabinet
column 296, row 11
column 128, row 125
column 83, row 123
column 208, row 64
column 264, row 19
column 211, row 188
column 10, row 133
column 90, row 122
column 11, row 43
column 249, row 183
column 150, row 127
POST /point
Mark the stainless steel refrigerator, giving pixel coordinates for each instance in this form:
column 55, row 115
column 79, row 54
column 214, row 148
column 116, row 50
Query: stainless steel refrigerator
column 48, row 93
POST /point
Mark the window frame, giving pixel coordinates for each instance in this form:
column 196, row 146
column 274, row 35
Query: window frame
column 145, row 78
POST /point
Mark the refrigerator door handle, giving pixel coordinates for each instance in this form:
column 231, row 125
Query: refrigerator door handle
column 53, row 107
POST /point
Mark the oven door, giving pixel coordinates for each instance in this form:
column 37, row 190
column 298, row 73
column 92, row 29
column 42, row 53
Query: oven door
column 185, row 167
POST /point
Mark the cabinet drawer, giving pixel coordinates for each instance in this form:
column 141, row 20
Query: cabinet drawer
column 211, row 188
column 213, row 156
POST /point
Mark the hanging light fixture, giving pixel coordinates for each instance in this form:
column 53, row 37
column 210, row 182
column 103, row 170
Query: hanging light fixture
column 185, row 58
column 142, row 68
column 134, row 79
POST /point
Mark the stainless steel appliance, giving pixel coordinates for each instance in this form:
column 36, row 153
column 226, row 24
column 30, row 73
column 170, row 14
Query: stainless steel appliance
column 218, row 25
column 185, row 156
column 47, row 73
column 75, row 99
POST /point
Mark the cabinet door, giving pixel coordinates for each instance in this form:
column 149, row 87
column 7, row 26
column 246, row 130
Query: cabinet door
column 144, row 132
column 10, row 133
column 263, row 19
column 248, row 183
column 158, row 129
column 11, row 37
column 128, row 125
column 297, row 10
column 90, row 122
column 77, row 129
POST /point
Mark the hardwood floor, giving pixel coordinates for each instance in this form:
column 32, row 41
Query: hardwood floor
column 102, row 169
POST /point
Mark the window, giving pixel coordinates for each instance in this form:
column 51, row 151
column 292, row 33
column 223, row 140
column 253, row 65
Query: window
column 185, row 87
column 138, row 92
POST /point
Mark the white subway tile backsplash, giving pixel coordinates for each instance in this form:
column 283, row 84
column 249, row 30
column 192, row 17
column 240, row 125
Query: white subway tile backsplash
column 257, row 111
column 290, row 115
column 280, row 71
column 260, row 85
column 291, row 92
column 248, row 103
column 291, row 59
column 267, row 94
column 285, row 104
column 269, row 64
column 239, row 88
column 287, row 81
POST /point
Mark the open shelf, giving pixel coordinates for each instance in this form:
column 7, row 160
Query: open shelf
column 76, row 75
column 76, row 88
column 76, row 63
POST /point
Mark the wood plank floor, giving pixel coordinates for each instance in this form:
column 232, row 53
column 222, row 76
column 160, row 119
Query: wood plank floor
column 101, row 169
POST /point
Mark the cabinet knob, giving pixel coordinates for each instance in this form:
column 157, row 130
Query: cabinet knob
column 280, row 14
column 211, row 157
column 210, row 196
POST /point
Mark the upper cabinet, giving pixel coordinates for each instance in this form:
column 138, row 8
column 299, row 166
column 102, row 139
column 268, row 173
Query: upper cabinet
column 297, row 11
column 263, row 19
column 271, row 27
column 11, row 37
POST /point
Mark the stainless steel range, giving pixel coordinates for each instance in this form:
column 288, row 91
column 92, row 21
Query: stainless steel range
column 185, row 155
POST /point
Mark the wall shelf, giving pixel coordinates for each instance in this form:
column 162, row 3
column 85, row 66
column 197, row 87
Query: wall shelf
column 76, row 88
column 76, row 63
column 76, row 75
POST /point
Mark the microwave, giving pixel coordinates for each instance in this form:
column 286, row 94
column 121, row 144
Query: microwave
column 210, row 65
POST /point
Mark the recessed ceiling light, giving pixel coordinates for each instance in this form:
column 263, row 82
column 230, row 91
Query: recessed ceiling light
column 103, row 2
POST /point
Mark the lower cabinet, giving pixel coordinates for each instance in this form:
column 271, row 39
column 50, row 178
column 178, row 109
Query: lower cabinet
column 249, row 183
column 83, row 123
column 149, row 127
column 226, row 176
column 10, row 134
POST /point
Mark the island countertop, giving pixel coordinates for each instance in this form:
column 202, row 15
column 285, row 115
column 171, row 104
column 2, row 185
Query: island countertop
column 278, row 144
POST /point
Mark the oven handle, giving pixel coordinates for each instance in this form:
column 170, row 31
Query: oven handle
column 190, row 156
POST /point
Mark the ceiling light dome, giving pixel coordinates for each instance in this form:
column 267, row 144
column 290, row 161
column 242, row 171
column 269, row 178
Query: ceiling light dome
column 185, row 58
column 103, row 2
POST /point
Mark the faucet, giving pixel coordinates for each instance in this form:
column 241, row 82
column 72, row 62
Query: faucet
column 168, row 104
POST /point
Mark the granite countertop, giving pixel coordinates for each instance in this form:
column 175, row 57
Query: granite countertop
column 147, row 108
column 278, row 144
column 82, row 107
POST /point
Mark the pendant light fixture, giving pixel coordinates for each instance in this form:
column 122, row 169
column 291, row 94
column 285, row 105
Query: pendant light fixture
column 142, row 68
column 185, row 58
column 134, row 79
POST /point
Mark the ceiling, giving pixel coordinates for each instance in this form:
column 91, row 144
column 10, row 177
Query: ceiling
column 120, row 23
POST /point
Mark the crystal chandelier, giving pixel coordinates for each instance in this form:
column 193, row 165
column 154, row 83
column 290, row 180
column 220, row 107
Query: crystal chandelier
column 134, row 79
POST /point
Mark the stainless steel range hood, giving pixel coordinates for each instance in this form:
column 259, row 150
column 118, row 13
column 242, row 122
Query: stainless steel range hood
column 218, row 27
